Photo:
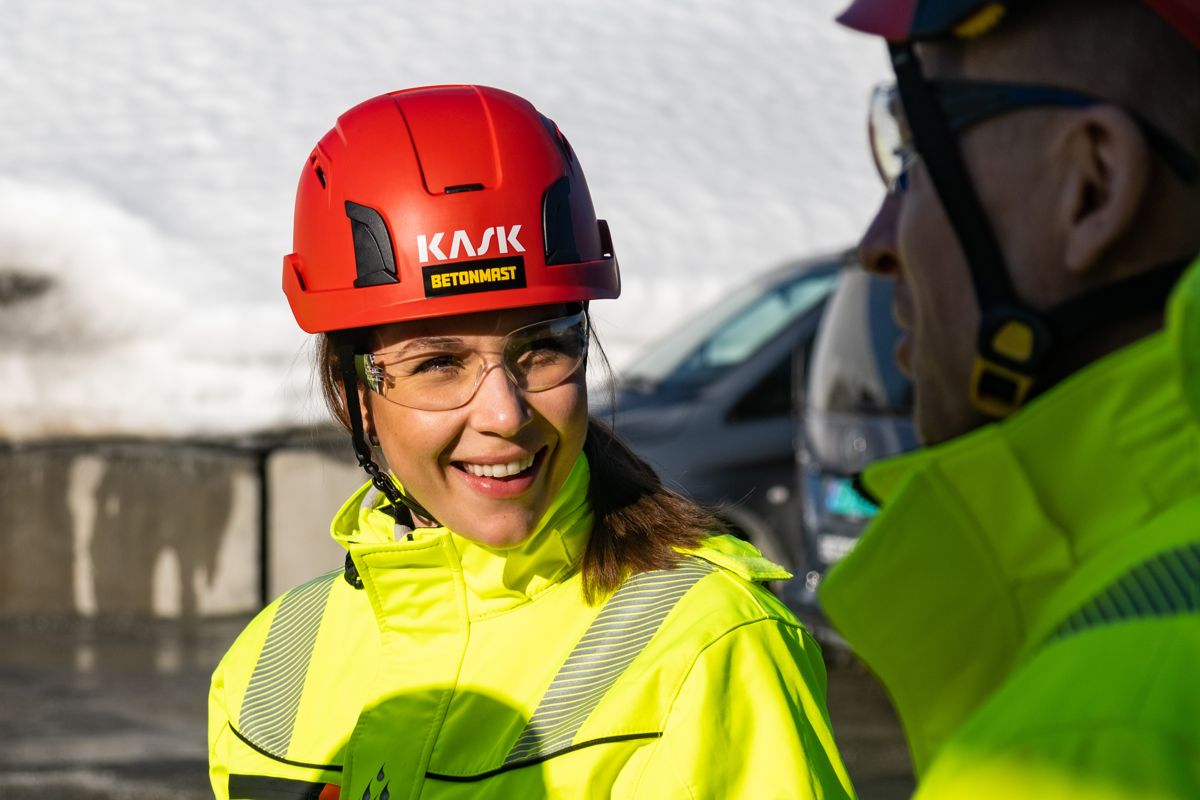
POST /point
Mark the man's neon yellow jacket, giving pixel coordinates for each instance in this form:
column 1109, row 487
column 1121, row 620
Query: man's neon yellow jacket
column 1030, row 593
column 462, row 671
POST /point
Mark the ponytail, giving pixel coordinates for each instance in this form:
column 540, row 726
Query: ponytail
column 639, row 525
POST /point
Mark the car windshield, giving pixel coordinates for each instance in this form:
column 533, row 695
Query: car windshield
column 731, row 331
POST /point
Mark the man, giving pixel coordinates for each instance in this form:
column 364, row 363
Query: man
column 1030, row 592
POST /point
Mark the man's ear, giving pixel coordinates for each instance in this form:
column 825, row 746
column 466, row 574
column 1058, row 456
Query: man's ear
column 1107, row 168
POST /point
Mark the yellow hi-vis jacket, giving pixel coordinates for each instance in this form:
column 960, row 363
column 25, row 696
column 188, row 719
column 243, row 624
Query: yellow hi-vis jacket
column 1030, row 593
column 460, row 671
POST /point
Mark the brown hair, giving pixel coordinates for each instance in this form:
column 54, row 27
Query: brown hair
column 639, row 524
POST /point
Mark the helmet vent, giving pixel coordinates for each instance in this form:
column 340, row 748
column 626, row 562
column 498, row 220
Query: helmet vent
column 372, row 247
column 464, row 187
column 557, row 226
column 320, row 173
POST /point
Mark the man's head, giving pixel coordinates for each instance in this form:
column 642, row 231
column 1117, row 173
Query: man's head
column 1073, row 196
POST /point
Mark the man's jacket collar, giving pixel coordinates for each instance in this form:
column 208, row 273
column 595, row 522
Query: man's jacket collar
column 964, row 569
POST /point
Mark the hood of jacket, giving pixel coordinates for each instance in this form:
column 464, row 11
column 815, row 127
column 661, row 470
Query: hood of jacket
column 496, row 579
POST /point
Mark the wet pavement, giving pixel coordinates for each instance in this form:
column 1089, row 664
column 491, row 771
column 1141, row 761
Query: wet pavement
column 866, row 729
column 115, row 710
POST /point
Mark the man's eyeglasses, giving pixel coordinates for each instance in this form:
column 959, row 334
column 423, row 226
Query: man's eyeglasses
column 442, row 373
column 965, row 103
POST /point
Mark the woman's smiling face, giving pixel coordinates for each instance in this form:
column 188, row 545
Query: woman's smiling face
column 489, row 469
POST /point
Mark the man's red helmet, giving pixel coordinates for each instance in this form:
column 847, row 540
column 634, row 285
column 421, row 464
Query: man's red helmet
column 442, row 200
column 915, row 20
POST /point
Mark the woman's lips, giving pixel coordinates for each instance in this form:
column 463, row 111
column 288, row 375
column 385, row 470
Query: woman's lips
column 505, row 487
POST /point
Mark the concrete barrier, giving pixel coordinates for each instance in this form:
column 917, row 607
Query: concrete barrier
column 167, row 529
column 306, row 486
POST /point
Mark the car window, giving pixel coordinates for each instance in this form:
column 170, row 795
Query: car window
column 714, row 342
column 770, row 397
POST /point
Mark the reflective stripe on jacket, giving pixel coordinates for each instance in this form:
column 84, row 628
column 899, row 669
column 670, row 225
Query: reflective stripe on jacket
column 461, row 671
column 1030, row 593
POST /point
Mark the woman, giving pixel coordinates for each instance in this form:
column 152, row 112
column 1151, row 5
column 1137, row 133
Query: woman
column 524, row 611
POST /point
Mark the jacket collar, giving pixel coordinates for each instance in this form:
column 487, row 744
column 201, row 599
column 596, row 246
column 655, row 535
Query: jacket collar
column 495, row 579
column 957, row 576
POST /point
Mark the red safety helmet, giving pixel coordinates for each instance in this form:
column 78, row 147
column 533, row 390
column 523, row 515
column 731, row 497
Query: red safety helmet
column 912, row 20
column 442, row 200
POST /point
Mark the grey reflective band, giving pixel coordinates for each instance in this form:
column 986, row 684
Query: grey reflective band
column 619, row 633
column 1163, row 586
column 272, row 698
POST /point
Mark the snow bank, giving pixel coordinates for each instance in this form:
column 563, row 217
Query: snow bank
column 151, row 162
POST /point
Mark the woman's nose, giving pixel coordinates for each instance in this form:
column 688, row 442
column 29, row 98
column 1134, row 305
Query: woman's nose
column 499, row 405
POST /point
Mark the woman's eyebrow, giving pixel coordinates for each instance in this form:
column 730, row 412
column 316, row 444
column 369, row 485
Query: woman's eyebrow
column 425, row 343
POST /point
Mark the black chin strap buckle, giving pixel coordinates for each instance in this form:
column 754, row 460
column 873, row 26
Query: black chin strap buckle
column 1010, row 350
column 350, row 573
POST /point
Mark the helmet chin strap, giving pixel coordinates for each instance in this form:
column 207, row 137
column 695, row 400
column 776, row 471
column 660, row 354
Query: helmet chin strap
column 362, row 449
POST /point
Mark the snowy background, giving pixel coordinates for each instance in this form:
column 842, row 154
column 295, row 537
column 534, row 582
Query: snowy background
column 151, row 151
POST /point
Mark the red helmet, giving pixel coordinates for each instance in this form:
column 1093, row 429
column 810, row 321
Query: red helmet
column 442, row 200
column 909, row 20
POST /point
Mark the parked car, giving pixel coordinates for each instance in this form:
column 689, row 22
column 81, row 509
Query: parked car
column 710, row 406
column 857, row 407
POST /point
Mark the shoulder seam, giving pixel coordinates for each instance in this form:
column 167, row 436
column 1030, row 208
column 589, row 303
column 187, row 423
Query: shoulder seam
column 743, row 586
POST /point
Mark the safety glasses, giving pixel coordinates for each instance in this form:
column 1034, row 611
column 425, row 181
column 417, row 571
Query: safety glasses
column 964, row 103
column 442, row 373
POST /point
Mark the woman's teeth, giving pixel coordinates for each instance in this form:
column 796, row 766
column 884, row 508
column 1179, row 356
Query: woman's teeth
column 499, row 470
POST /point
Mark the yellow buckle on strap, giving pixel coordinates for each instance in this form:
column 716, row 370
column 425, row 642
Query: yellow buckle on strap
column 982, row 21
column 1000, row 389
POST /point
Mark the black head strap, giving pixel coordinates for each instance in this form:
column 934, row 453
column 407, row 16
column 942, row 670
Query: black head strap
column 1142, row 294
column 938, row 147
column 1012, row 342
column 362, row 450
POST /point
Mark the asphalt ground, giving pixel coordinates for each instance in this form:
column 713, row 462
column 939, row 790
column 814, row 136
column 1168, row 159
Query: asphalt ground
column 115, row 710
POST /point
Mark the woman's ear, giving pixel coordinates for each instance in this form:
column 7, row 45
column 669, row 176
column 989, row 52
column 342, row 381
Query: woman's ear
column 1107, row 170
column 368, row 419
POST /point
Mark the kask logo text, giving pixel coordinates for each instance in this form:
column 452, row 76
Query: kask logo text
column 461, row 246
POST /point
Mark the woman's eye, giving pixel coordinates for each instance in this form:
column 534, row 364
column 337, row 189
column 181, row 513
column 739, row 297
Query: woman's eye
column 547, row 352
column 543, row 350
column 437, row 364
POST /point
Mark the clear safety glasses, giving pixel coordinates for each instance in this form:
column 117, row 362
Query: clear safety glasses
column 441, row 373
column 964, row 103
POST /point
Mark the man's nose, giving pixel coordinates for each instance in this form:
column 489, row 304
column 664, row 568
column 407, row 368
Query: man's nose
column 877, row 249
